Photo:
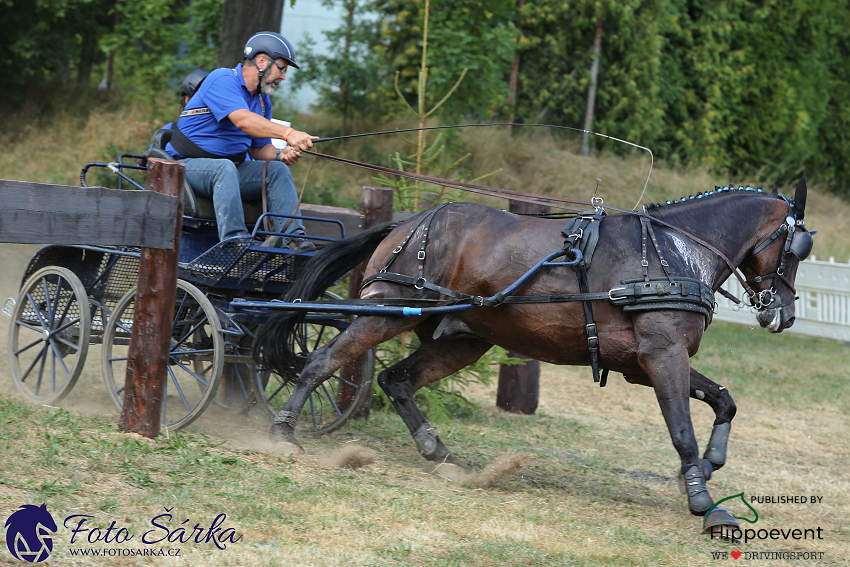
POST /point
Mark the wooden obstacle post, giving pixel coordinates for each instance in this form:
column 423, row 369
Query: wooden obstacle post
column 519, row 385
column 147, row 358
column 376, row 206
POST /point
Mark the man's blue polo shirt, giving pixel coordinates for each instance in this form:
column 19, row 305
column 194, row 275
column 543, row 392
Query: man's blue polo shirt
column 223, row 91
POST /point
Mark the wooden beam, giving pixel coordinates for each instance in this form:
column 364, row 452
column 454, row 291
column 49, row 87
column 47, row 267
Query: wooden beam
column 353, row 221
column 147, row 357
column 38, row 213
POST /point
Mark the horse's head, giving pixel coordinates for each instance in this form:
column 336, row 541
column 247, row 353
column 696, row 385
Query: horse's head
column 772, row 267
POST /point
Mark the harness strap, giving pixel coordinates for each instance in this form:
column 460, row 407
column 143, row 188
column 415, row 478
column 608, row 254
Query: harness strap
column 590, row 333
column 647, row 230
column 427, row 218
column 419, row 283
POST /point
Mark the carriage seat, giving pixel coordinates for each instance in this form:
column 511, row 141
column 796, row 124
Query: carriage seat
column 194, row 206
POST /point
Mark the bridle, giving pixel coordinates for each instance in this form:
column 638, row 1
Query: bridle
column 798, row 241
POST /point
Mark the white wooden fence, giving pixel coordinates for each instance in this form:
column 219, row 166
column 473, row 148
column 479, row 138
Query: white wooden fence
column 823, row 309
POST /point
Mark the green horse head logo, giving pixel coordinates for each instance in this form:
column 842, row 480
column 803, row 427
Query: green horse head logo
column 722, row 500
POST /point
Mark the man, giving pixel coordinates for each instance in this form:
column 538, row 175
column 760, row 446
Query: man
column 187, row 88
column 228, row 116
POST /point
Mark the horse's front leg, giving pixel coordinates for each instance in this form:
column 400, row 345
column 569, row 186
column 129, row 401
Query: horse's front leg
column 664, row 348
column 724, row 408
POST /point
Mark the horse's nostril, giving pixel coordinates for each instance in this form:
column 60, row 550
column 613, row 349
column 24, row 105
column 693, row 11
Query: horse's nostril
column 789, row 323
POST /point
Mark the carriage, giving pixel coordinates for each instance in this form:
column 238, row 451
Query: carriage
column 73, row 296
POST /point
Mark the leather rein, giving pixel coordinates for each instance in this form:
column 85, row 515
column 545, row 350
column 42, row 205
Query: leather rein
column 572, row 205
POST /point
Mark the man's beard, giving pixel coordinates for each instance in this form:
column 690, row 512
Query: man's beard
column 267, row 88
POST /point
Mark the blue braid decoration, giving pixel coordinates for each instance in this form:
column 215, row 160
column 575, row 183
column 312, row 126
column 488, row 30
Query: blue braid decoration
column 701, row 194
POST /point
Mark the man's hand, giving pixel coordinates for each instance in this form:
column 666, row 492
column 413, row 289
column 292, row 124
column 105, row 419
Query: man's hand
column 301, row 140
column 290, row 155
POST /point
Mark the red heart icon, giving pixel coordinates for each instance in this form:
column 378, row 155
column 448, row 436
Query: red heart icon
column 735, row 554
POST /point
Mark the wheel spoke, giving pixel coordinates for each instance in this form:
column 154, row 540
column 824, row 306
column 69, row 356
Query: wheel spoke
column 179, row 389
column 331, row 399
column 37, row 311
column 40, row 374
column 66, row 325
column 34, row 362
column 190, row 333
column 59, row 356
column 29, row 346
column 74, row 346
column 191, row 373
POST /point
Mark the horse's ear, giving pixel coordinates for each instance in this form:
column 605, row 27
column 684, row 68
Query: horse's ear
column 800, row 199
column 775, row 191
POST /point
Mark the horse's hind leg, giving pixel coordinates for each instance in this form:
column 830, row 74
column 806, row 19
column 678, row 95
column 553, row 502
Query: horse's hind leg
column 432, row 361
column 724, row 408
column 363, row 334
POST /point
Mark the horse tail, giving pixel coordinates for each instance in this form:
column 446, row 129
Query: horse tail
column 276, row 346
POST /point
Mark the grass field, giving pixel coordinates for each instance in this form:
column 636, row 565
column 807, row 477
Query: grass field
column 598, row 487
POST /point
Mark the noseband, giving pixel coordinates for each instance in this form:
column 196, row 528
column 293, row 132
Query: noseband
column 797, row 242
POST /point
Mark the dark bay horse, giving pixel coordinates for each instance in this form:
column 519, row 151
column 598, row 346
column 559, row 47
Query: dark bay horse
column 480, row 251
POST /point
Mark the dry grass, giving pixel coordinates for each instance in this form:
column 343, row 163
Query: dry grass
column 533, row 160
column 597, row 483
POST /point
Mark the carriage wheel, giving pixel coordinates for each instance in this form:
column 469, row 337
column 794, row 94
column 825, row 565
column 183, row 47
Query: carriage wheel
column 333, row 402
column 236, row 388
column 196, row 339
column 49, row 338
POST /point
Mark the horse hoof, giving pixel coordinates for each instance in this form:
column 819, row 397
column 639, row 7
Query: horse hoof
column 720, row 524
column 448, row 471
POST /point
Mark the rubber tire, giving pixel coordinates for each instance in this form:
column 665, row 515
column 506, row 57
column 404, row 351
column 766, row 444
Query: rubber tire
column 42, row 285
column 201, row 392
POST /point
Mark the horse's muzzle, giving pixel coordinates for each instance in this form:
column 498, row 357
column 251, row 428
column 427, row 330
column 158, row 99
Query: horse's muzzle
column 772, row 320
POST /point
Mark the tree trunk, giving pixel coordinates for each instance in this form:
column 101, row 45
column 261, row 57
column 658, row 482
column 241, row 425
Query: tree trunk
column 591, row 92
column 240, row 20
column 512, row 84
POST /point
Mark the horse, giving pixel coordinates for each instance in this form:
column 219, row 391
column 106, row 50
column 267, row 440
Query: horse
column 474, row 251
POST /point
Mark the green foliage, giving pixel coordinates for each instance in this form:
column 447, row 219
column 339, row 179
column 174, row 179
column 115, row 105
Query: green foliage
column 740, row 86
column 346, row 75
column 464, row 34
column 68, row 43
column 158, row 41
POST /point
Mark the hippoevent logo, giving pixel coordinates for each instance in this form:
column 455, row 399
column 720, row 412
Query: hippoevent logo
column 728, row 530
column 28, row 533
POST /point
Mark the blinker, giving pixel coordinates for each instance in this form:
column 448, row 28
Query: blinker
column 801, row 244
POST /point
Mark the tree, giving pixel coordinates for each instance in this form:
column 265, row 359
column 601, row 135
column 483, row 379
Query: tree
column 240, row 20
column 52, row 42
column 347, row 77
column 474, row 35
